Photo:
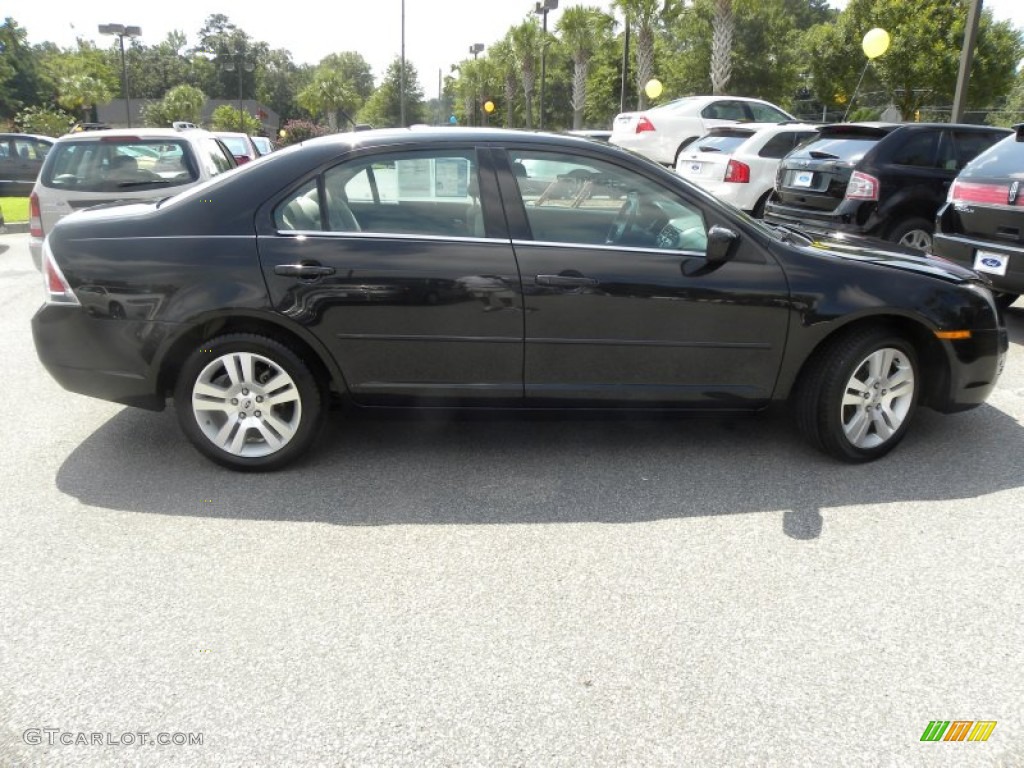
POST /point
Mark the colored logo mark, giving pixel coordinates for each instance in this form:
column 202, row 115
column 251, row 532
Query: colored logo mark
column 958, row 730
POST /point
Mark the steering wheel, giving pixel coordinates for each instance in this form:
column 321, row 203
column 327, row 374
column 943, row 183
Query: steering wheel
column 624, row 220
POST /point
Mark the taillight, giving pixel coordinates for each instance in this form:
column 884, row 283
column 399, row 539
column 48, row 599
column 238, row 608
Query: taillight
column 58, row 291
column 862, row 187
column 35, row 217
column 990, row 194
column 643, row 124
column 737, row 172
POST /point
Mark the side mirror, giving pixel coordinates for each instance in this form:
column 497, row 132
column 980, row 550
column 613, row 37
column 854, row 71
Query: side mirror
column 721, row 241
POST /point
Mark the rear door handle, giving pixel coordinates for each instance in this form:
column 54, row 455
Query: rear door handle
column 306, row 271
column 565, row 280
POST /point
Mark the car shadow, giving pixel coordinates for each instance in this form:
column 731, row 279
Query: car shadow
column 1014, row 319
column 407, row 468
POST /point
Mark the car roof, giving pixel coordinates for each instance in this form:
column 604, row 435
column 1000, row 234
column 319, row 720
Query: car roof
column 453, row 135
column 16, row 135
column 141, row 133
column 232, row 134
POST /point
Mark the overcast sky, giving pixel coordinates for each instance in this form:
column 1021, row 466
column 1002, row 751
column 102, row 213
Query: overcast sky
column 438, row 33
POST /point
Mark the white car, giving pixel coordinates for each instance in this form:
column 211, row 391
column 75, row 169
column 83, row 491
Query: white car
column 737, row 163
column 662, row 132
column 90, row 168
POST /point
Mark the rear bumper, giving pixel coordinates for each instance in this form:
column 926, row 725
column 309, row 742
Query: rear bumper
column 98, row 357
column 962, row 250
column 853, row 219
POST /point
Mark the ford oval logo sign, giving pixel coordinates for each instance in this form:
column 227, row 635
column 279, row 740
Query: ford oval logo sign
column 991, row 262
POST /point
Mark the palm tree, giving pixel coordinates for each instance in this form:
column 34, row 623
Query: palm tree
column 582, row 29
column 327, row 94
column 526, row 43
column 643, row 17
column 722, row 27
column 504, row 58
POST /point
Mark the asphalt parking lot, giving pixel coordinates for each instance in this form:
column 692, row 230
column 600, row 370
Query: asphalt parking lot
column 503, row 590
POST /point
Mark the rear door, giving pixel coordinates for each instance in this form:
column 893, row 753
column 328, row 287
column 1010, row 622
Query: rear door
column 399, row 261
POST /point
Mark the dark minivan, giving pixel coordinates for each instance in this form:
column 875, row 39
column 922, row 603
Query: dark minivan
column 884, row 180
column 982, row 224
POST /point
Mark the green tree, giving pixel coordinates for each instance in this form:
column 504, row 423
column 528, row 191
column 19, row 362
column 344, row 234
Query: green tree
column 1012, row 111
column 327, row 94
column 184, row 102
column 383, row 108
column 228, row 118
column 46, row 121
column 526, row 44
column 503, row 56
column 582, row 29
column 920, row 67
column 723, row 25
column 355, row 72
column 645, row 18
column 20, row 81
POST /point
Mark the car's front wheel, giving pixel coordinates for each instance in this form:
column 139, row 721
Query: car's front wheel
column 858, row 396
column 248, row 402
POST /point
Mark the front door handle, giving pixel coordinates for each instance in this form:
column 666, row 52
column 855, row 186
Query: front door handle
column 306, row 271
column 565, row 280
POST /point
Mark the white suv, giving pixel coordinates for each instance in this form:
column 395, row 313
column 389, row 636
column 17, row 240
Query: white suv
column 737, row 163
column 127, row 164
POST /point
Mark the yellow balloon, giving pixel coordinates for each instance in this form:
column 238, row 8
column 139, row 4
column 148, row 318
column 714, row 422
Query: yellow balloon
column 653, row 88
column 488, row 107
column 876, row 42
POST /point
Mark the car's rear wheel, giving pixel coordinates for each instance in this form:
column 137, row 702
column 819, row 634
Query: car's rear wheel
column 915, row 233
column 248, row 402
column 679, row 151
column 857, row 398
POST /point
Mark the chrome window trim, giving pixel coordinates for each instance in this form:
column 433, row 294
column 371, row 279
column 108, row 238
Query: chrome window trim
column 591, row 246
column 389, row 236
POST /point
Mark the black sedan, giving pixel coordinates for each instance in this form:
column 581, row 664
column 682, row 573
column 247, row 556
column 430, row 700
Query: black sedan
column 489, row 268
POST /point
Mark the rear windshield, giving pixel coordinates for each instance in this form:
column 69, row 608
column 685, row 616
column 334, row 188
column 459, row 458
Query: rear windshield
column 113, row 164
column 837, row 145
column 721, row 141
column 1004, row 160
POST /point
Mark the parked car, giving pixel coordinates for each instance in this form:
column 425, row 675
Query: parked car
column 883, row 180
column 738, row 163
column 21, row 157
column 982, row 223
column 411, row 268
column 240, row 144
column 95, row 167
column 662, row 132
column 263, row 145
column 589, row 133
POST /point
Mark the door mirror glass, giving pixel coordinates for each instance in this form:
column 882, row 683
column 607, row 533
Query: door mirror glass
column 721, row 242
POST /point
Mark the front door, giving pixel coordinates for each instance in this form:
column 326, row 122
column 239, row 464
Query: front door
column 620, row 302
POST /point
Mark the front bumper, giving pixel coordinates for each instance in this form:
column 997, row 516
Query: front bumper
column 100, row 357
column 975, row 366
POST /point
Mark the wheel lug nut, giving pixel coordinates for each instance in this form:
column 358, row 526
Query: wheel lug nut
column 259, row 398
column 241, row 416
column 234, row 401
column 257, row 414
column 246, row 391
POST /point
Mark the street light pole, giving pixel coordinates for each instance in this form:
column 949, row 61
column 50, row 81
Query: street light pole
column 542, row 9
column 966, row 54
column 401, row 97
column 475, row 49
column 247, row 67
column 121, row 32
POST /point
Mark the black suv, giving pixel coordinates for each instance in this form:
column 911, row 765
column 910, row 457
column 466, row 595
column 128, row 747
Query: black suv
column 883, row 180
column 982, row 225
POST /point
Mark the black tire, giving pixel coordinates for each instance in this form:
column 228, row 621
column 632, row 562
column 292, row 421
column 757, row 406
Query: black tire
column 915, row 232
column 234, row 397
column 116, row 311
column 679, row 150
column 1005, row 300
column 758, row 212
column 821, row 414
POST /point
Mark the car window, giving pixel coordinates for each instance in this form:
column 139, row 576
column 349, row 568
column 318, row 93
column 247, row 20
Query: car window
column 216, row 157
column 836, row 145
column 970, row 144
column 1003, row 160
column 30, row 149
column 300, row 211
column 413, row 193
column 781, row 144
column 725, row 142
column 919, row 149
column 724, row 110
column 115, row 163
column 581, row 200
column 766, row 113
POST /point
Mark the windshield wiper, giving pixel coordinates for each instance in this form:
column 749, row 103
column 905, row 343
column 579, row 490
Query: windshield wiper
column 709, row 149
column 817, row 154
column 786, row 233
